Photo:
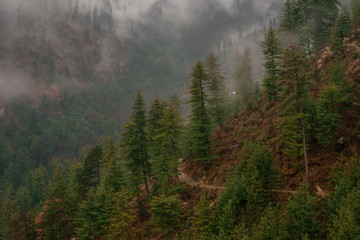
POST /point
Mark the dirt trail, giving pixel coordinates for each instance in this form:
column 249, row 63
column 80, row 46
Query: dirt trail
column 191, row 182
column 188, row 180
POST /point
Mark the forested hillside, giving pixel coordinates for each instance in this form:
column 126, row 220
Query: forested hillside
column 103, row 135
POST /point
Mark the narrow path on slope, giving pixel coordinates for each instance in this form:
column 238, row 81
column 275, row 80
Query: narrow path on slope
column 191, row 182
column 188, row 180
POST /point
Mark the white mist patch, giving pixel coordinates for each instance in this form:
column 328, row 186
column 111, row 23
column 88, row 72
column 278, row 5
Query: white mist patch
column 14, row 85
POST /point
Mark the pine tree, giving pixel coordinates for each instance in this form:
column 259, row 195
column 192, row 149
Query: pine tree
column 341, row 31
column 203, row 220
column 90, row 218
column 346, row 224
column 120, row 217
column 301, row 216
column 271, row 50
column 166, row 211
column 112, row 169
column 21, row 223
column 156, row 112
column 269, row 224
column 289, row 20
column 328, row 108
column 295, row 92
column 346, row 179
column 355, row 13
column 216, row 88
column 134, row 142
column 55, row 220
column 88, row 175
column 172, row 131
column 160, row 150
column 200, row 127
column 226, row 220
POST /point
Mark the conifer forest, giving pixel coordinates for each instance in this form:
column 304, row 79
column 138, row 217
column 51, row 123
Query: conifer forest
column 179, row 120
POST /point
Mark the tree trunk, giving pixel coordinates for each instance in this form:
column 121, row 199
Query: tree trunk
column 304, row 145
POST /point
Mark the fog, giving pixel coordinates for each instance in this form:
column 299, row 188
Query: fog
column 195, row 27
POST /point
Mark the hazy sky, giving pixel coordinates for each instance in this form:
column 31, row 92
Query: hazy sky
column 199, row 25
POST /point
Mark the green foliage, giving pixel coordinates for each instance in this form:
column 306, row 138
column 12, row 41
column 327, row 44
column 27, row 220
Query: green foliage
column 166, row 211
column 21, row 223
column 240, row 232
column 54, row 222
column 226, row 219
column 269, row 224
column 113, row 177
column 200, row 126
column 346, row 224
column 160, row 145
column 271, row 50
column 328, row 108
column 346, row 178
column 134, row 144
column 355, row 13
column 341, row 31
column 90, row 218
column 89, row 175
column 218, row 102
column 300, row 216
column 307, row 22
column 203, row 220
column 37, row 180
column 120, row 217
column 247, row 188
column 156, row 112
column 289, row 19
column 294, row 82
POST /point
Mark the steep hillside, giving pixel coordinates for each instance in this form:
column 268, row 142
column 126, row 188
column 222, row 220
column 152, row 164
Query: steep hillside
column 259, row 121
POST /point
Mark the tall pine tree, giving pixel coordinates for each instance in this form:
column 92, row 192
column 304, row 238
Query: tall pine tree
column 216, row 87
column 134, row 143
column 271, row 50
column 294, row 81
column 200, row 126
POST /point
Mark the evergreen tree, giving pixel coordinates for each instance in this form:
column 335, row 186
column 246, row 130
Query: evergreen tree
column 216, row 88
column 301, row 216
column 166, row 212
column 271, row 50
column 90, row 218
column 112, row 169
column 203, row 219
column 294, row 82
column 289, row 20
column 341, row 31
column 89, row 174
column 346, row 179
column 21, row 223
column 134, row 143
column 346, row 224
column 37, row 180
column 226, row 220
column 160, row 150
column 200, row 127
column 328, row 108
column 55, row 221
column 172, row 132
column 355, row 13
column 156, row 112
column 269, row 224
column 120, row 217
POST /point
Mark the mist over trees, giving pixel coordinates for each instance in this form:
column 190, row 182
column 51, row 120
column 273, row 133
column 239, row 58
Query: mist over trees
column 99, row 148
